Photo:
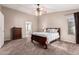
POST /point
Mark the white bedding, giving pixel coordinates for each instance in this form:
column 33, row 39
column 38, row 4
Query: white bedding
column 50, row 36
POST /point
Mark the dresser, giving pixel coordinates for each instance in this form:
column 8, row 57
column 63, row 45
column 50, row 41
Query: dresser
column 16, row 33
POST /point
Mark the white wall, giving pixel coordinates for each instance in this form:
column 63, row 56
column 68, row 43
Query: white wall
column 1, row 29
column 58, row 20
column 15, row 18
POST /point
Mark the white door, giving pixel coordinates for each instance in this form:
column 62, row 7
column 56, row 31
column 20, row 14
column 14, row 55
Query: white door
column 1, row 29
column 28, row 28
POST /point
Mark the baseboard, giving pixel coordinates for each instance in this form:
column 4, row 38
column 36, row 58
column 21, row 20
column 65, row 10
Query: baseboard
column 7, row 40
column 67, row 42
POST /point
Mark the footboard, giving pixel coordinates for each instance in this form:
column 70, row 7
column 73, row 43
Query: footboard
column 40, row 40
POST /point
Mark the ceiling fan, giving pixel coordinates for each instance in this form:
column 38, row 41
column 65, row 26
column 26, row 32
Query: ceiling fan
column 40, row 10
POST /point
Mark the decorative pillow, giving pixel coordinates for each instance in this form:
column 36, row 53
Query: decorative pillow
column 52, row 30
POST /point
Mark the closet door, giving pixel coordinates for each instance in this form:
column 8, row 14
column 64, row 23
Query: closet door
column 1, row 29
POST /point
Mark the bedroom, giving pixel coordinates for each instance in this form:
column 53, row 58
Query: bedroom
column 19, row 16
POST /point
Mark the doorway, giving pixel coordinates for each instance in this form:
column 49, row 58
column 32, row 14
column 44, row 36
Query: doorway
column 28, row 25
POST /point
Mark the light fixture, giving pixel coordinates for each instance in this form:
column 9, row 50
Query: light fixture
column 39, row 10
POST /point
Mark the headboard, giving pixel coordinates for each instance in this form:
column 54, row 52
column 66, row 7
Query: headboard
column 57, row 29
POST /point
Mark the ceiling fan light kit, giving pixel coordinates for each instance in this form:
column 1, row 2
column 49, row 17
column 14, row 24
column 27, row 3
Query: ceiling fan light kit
column 39, row 10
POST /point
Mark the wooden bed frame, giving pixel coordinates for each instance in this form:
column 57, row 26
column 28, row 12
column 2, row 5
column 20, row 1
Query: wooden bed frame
column 42, row 40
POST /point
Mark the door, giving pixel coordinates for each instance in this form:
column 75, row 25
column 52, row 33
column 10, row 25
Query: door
column 28, row 28
column 1, row 29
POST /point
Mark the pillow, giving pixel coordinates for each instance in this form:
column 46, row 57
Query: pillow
column 52, row 30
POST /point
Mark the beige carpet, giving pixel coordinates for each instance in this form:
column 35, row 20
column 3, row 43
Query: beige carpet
column 25, row 47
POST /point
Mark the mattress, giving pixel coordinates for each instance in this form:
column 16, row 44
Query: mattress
column 50, row 36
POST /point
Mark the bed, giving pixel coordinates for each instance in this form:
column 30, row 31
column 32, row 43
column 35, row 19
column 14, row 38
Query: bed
column 45, row 38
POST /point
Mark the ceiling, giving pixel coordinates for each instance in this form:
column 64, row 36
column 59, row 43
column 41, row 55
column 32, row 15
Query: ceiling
column 49, row 8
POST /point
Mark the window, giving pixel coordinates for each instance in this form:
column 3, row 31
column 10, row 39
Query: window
column 71, row 24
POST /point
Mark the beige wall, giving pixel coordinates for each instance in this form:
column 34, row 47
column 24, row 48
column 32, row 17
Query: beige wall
column 58, row 20
column 13, row 18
